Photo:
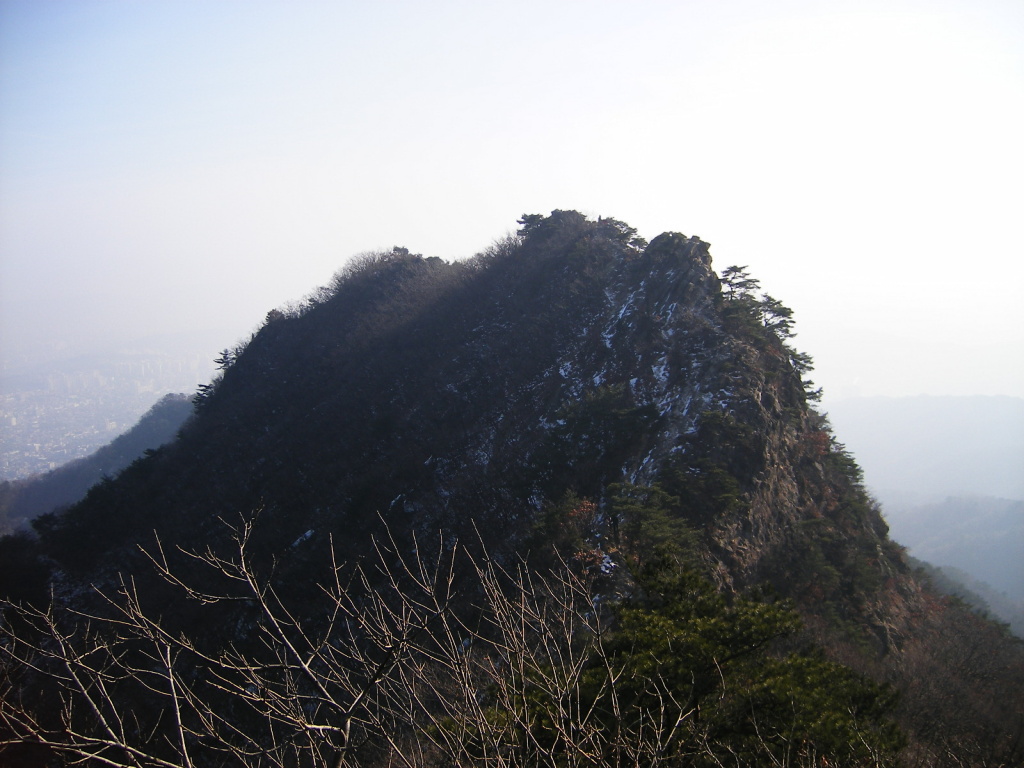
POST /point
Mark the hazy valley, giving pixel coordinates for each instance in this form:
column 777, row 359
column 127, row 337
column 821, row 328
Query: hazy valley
column 949, row 472
column 57, row 409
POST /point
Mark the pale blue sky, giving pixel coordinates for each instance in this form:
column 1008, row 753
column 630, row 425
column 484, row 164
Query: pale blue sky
column 191, row 165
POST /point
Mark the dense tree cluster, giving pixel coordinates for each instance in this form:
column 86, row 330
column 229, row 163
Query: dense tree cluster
column 765, row 317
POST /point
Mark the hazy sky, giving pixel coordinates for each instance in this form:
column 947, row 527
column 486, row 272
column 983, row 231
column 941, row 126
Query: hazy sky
column 192, row 165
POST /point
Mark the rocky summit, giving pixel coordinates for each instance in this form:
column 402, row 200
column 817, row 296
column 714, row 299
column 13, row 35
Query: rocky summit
column 573, row 406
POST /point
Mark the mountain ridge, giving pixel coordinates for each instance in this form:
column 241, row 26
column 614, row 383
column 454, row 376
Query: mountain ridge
column 495, row 399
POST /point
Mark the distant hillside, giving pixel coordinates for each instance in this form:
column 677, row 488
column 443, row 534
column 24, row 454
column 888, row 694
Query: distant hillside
column 979, row 595
column 22, row 500
column 982, row 536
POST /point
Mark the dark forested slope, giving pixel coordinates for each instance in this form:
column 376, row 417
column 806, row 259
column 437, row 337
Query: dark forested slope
column 572, row 387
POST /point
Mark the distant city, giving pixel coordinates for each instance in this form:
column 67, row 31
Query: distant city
column 53, row 413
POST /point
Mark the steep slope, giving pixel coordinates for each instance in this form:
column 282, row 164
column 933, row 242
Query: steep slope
column 477, row 399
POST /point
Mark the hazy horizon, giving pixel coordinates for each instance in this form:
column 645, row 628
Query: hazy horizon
column 173, row 167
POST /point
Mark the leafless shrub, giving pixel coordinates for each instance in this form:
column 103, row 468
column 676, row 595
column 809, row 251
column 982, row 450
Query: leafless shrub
column 402, row 669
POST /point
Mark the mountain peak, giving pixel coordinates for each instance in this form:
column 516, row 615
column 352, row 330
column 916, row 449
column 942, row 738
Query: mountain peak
column 572, row 385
